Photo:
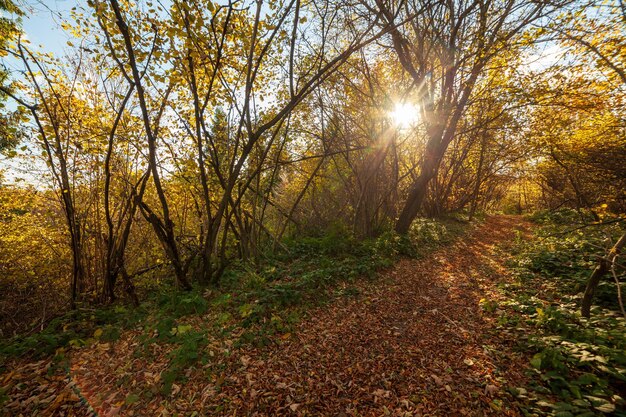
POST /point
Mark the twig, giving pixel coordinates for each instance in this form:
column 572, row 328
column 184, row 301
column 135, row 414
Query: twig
column 451, row 321
column 617, row 283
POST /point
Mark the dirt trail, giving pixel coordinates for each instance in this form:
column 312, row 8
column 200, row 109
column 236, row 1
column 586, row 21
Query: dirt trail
column 413, row 342
column 417, row 343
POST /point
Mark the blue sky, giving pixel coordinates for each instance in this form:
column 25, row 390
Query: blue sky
column 42, row 25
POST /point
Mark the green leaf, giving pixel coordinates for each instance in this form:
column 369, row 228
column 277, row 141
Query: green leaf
column 182, row 329
column 536, row 361
column 563, row 407
column 131, row 399
column 601, row 404
column 606, row 408
column 545, row 404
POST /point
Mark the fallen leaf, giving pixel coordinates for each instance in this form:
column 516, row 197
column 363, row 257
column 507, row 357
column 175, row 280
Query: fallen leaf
column 490, row 389
column 437, row 380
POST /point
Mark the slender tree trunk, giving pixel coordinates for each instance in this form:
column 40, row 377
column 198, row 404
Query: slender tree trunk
column 78, row 270
column 479, row 178
column 432, row 158
column 130, row 287
column 166, row 227
column 601, row 270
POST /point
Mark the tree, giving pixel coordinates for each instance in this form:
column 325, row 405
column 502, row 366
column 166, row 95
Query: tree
column 445, row 48
column 216, row 62
column 9, row 119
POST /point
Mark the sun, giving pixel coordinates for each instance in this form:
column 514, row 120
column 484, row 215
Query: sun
column 404, row 115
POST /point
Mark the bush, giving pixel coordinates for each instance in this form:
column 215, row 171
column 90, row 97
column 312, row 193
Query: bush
column 179, row 303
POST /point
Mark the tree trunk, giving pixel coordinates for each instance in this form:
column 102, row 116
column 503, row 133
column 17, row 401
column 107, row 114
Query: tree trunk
column 165, row 228
column 603, row 267
column 435, row 148
column 479, row 179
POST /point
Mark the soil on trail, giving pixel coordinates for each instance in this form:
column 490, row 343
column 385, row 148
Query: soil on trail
column 414, row 341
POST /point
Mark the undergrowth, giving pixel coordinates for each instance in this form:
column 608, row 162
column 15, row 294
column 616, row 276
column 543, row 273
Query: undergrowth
column 578, row 365
column 76, row 328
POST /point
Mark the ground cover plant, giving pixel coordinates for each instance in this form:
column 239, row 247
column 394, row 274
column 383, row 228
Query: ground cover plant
column 578, row 366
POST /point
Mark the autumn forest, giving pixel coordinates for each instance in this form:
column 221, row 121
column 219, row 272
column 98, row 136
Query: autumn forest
column 313, row 207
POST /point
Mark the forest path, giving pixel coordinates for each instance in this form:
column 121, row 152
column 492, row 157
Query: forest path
column 413, row 342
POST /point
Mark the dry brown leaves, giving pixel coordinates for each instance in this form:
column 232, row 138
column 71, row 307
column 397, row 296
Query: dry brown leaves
column 415, row 342
column 40, row 389
column 416, row 345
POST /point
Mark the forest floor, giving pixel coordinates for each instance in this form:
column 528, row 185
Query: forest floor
column 414, row 341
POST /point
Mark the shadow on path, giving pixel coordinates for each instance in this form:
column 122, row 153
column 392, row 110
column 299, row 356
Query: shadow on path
column 414, row 342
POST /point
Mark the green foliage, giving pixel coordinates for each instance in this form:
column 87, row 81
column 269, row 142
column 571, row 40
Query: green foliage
column 566, row 252
column 74, row 329
column 160, row 326
column 131, row 399
column 579, row 362
column 178, row 304
column 335, row 241
column 190, row 344
column 269, row 300
column 3, row 397
column 427, row 234
column 562, row 217
column 164, row 328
